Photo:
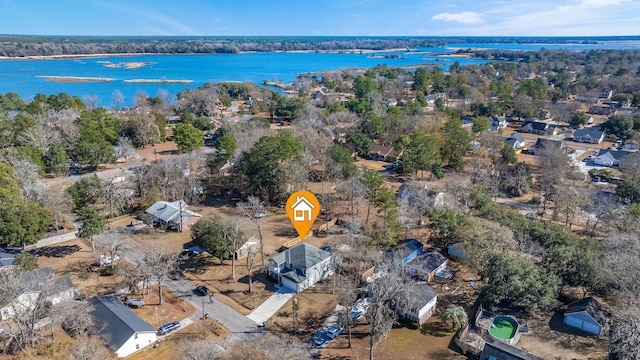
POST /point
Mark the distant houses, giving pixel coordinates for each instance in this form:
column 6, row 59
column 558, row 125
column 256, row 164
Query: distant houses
column 382, row 153
column 535, row 127
column 610, row 158
column 173, row 214
column 515, row 141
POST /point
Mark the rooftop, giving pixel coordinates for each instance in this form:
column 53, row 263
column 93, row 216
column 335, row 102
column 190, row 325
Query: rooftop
column 115, row 322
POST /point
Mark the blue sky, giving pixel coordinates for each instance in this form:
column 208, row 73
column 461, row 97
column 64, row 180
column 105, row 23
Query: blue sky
column 321, row 17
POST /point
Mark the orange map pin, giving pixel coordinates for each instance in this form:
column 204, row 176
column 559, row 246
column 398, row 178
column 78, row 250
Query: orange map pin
column 303, row 207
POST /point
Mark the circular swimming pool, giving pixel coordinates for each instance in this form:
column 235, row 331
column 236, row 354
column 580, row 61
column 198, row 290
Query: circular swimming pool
column 503, row 327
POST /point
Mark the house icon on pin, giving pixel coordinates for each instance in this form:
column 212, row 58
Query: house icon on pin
column 301, row 209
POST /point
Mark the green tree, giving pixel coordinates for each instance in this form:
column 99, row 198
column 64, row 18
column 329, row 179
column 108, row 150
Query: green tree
column 220, row 237
column 457, row 141
column 262, row 167
column 363, row 85
column 86, row 191
column 629, row 191
column 9, row 185
column 188, row 138
column 508, row 154
column 26, row 261
column 344, row 160
column 447, row 225
column 56, row 160
column 457, row 315
column 385, row 201
column 516, row 281
column 420, row 152
column 92, row 224
column 579, row 118
column 480, row 124
column 93, row 152
column 360, row 142
column 226, row 146
column 24, row 223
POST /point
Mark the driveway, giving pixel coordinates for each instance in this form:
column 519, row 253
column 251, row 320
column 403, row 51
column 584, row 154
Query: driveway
column 266, row 310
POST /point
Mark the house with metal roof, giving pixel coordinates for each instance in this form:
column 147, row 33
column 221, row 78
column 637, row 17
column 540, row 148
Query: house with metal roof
column 122, row 330
column 301, row 266
column 586, row 315
column 173, row 214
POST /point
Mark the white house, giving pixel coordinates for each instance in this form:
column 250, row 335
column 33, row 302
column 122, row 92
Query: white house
column 302, row 209
column 173, row 214
column 421, row 307
column 515, row 141
column 585, row 315
column 301, row 266
column 122, row 330
column 36, row 283
column 498, row 123
column 589, row 135
column 610, row 157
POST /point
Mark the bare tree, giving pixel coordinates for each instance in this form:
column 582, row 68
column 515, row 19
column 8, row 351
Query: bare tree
column 255, row 210
column 388, row 290
column 251, row 262
column 89, row 348
column 160, row 264
column 117, row 98
column 40, row 136
column 60, row 205
column 204, row 350
column 91, row 101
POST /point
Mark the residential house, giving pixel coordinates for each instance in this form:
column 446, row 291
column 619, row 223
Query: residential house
column 605, row 93
column 173, row 214
column 498, row 123
column 610, row 157
column 382, row 153
column 630, row 144
column 405, row 251
column 421, row 305
column 586, row 315
column 589, row 135
column 390, row 102
column 33, row 285
column 543, row 143
column 122, row 330
column 516, row 141
column 301, row 266
column 498, row 350
column 601, row 110
column 427, row 265
column 535, row 127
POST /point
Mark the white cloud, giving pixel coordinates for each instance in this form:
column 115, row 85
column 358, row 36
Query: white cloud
column 466, row 17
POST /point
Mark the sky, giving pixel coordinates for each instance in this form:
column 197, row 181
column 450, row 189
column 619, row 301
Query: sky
column 321, row 17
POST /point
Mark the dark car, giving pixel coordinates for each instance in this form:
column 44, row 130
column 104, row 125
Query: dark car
column 203, row 290
column 176, row 275
column 168, row 327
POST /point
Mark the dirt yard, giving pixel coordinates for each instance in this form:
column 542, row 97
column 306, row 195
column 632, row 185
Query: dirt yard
column 173, row 307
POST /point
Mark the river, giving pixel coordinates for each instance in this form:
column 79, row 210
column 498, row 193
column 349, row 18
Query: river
column 30, row 77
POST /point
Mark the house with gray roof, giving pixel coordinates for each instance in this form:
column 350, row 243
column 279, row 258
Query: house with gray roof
column 498, row 350
column 515, row 141
column 535, row 127
column 589, row 135
column 122, row 330
column 610, row 157
column 421, row 305
column 301, row 266
column 427, row 265
column 35, row 287
column 173, row 214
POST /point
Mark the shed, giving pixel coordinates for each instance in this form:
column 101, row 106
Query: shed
column 586, row 315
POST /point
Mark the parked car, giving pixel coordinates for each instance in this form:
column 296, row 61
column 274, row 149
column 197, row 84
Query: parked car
column 176, row 275
column 203, row 290
column 318, row 340
column 169, row 327
column 334, row 331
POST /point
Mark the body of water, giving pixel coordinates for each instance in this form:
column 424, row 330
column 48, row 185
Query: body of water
column 25, row 77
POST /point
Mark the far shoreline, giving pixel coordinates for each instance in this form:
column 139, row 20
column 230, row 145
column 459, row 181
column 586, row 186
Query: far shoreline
column 90, row 56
